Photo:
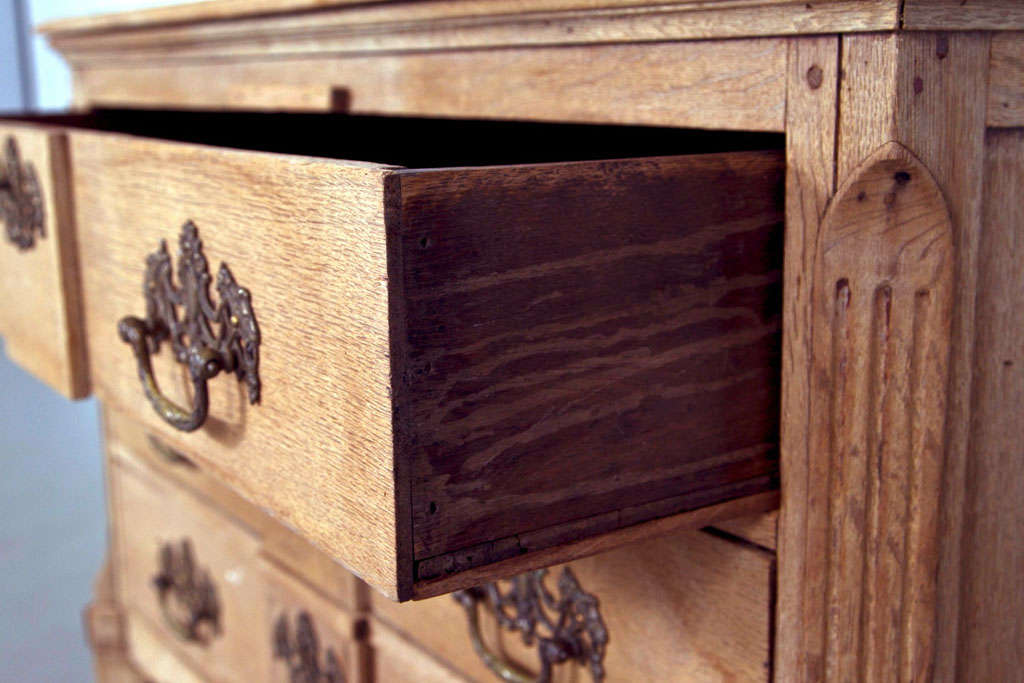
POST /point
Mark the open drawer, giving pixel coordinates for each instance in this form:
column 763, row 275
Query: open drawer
column 445, row 357
column 40, row 312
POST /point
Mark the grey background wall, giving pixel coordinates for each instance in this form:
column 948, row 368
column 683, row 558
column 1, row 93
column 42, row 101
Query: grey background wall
column 52, row 517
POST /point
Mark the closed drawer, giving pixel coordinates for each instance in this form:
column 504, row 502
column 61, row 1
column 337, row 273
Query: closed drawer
column 397, row 659
column 688, row 607
column 313, row 638
column 129, row 442
column 40, row 310
column 188, row 576
column 457, row 365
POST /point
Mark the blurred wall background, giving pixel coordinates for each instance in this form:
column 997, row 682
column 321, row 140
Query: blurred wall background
column 52, row 516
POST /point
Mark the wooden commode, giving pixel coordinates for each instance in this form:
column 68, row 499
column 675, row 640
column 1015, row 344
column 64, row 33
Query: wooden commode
column 538, row 340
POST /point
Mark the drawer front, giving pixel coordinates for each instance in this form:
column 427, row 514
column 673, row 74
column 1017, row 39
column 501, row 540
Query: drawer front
column 306, row 238
column 422, row 364
column 128, row 441
column 396, row 659
column 40, row 308
column 688, row 607
column 190, row 575
column 155, row 657
column 312, row 638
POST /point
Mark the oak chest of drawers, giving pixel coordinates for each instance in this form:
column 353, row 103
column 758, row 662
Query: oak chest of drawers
column 532, row 312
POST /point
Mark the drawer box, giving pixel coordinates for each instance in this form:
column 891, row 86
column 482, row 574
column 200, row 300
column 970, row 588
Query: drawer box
column 40, row 310
column 691, row 606
column 459, row 364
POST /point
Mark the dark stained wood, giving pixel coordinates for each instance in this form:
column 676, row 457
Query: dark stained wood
column 585, row 337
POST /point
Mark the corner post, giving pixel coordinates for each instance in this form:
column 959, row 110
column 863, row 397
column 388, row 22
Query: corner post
column 878, row 337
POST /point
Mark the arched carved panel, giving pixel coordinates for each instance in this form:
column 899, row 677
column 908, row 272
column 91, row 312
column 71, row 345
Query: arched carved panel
column 881, row 331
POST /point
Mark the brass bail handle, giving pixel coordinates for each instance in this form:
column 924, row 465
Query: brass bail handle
column 502, row 668
column 565, row 625
column 186, row 594
column 203, row 365
column 208, row 339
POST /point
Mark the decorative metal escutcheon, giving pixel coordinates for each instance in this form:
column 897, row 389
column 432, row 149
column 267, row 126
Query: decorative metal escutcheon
column 188, row 597
column 208, row 339
column 301, row 652
column 566, row 627
column 21, row 200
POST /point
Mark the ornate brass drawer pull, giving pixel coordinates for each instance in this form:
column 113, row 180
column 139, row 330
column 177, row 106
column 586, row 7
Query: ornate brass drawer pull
column 565, row 628
column 21, row 201
column 188, row 597
column 207, row 339
column 301, row 652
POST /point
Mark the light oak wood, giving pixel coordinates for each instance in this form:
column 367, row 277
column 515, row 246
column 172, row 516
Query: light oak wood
column 40, row 306
column 155, row 658
column 396, row 658
column 759, row 529
column 1006, row 81
column 115, row 668
column 338, row 631
column 128, row 441
column 735, row 85
column 917, row 86
column 991, row 644
column 957, row 15
column 457, row 24
column 704, row 284
column 673, row 301
column 105, row 630
column 811, row 124
column 883, row 298
column 329, row 313
column 151, row 512
column 687, row 606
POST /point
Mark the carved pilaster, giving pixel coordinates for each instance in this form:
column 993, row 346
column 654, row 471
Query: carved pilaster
column 882, row 303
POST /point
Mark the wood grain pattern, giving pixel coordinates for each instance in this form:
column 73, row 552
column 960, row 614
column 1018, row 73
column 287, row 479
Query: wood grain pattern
column 881, row 346
column 991, row 635
column 151, row 512
column 126, row 440
column 322, row 313
column 811, row 124
column 961, row 15
column 687, row 606
column 461, row 24
column 929, row 78
column 41, row 313
column 910, row 88
column 731, row 85
column 1006, row 81
column 632, row 319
